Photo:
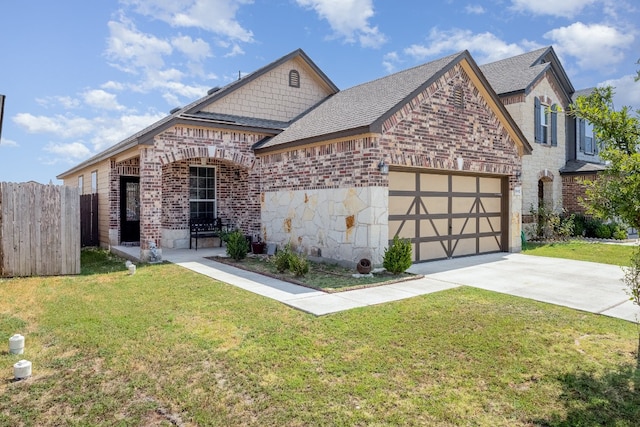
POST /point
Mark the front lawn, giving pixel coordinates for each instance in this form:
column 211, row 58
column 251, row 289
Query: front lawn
column 167, row 346
column 582, row 251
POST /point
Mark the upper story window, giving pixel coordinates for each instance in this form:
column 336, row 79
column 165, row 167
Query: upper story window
column 586, row 138
column 546, row 123
column 294, row 78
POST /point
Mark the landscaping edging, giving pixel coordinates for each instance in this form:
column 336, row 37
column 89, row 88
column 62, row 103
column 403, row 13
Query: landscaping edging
column 228, row 261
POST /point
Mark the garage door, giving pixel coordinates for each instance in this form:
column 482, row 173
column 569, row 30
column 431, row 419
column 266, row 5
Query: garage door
column 448, row 215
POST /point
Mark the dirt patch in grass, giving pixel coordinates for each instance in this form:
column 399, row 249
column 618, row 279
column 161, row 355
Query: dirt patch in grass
column 323, row 277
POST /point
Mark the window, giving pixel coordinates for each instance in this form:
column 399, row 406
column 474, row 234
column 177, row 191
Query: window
column 546, row 123
column 202, row 192
column 81, row 183
column 294, row 78
column 586, row 139
column 94, row 181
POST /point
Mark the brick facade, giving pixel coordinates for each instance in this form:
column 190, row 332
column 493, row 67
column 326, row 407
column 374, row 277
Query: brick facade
column 435, row 132
column 573, row 189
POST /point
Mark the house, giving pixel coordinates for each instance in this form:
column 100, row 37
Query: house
column 583, row 162
column 429, row 153
column 536, row 91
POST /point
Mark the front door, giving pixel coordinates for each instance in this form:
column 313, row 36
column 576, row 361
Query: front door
column 129, row 209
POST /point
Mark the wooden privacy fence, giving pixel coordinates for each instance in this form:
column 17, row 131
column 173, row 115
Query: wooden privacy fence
column 39, row 229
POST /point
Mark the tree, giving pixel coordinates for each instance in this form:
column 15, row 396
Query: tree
column 616, row 192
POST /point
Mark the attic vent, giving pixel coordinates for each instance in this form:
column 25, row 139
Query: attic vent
column 175, row 110
column 457, row 99
column 213, row 90
column 294, row 78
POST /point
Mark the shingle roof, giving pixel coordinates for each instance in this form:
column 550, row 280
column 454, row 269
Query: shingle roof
column 583, row 92
column 362, row 106
column 519, row 73
column 579, row 166
column 237, row 120
column 516, row 73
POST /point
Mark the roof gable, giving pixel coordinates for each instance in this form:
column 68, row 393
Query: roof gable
column 519, row 73
column 190, row 113
column 363, row 108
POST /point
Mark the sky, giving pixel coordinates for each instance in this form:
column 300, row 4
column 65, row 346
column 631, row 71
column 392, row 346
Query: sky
column 80, row 76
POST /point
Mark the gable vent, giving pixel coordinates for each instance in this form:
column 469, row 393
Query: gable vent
column 294, row 78
column 457, row 98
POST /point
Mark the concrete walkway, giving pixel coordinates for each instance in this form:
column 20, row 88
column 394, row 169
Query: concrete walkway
column 591, row 287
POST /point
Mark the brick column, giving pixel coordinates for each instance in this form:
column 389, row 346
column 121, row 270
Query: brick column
column 150, row 205
column 114, row 204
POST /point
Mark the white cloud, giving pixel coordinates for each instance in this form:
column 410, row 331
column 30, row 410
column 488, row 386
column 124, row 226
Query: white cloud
column 390, row 61
column 595, row 46
column 64, row 126
column 111, row 85
column 109, row 131
column 348, row 19
column 485, row 47
column 101, row 99
column 564, row 8
column 66, row 102
column 195, row 50
column 627, row 91
column 216, row 16
column 131, row 50
column 70, row 152
column 474, row 9
column 235, row 51
column 8, row 143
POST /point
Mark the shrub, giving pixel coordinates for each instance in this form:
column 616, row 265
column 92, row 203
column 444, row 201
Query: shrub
column 298, row 265
column 617, row 231
column 603, row 231
column 237, row 245
column 578, row 225
column 282, row 258
column 397, row 257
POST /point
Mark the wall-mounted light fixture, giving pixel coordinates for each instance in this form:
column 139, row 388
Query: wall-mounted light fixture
column 383, row 167
column 460, row 161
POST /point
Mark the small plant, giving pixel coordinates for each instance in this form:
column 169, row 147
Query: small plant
column 237, row 245
column 397, row 257
column 603, row 231
column 282, row 258
column 298, row 264
column 552, row 225
column 285, row 259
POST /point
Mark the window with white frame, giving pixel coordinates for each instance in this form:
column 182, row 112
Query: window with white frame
column 546, row 123
column 94, row 181
column 202, row 192
column 81, row 183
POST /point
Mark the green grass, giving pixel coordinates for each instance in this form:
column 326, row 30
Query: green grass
column 326, row 277
column 167, row 345
column 582, row 251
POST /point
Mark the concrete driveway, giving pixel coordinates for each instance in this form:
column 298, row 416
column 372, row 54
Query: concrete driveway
column 592, row 287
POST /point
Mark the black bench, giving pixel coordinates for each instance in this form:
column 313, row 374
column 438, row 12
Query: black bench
column 205, row 227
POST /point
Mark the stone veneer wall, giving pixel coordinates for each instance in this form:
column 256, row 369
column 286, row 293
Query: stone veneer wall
column 345, row 224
